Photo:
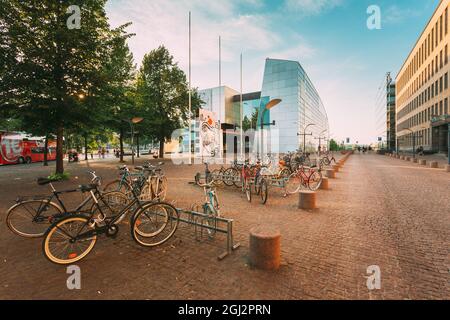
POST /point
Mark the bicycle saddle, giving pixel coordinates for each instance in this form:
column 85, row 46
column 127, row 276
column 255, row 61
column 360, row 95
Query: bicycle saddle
column 43, row 181
column 87, row 187
column 122, row 167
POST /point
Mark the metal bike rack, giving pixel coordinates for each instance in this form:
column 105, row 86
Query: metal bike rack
column 197, row 219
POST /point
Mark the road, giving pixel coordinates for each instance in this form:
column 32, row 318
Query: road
column 379, row 211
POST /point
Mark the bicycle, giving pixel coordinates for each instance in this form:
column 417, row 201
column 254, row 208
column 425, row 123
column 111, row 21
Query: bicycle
column 30, row 217
column 210, row 207
column 156, row 186
column 128, row 181
column 301, row 178
column 72, row 238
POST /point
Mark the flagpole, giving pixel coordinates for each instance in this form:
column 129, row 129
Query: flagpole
column 190, row 94
column 241, row 115
column 220, row 96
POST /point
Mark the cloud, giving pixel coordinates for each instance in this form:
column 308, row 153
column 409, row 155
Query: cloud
column 311, row 7
column 394, row 14
column 165, row 22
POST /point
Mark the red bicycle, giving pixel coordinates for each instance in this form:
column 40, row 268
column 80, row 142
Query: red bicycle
column 306, row 177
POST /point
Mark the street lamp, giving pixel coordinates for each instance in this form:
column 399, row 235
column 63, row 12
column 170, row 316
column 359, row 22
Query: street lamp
column 320, row 140
column 132, row 122
column 272, row 103
column 304, row 135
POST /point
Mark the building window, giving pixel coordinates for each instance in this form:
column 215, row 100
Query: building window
column 446, row 21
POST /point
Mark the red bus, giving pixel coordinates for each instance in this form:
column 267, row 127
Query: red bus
column 17, row 147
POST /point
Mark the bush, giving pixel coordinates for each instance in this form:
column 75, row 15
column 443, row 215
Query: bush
column 59, row 176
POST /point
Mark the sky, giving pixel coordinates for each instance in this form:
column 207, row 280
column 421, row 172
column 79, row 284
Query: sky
column 345, row 60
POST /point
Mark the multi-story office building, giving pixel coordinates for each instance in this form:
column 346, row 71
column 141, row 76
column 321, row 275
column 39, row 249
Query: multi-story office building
column 422, row 88
column 390, row 116
column 300, row 108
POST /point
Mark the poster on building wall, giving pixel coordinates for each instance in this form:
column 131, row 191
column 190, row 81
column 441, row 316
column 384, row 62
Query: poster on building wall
column 209, row 134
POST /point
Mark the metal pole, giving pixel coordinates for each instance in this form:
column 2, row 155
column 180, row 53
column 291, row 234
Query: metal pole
column 190, row 93
column 137, row 144
column 241, row 115
column 220, row 96
column 132, row 142
column 262, row 134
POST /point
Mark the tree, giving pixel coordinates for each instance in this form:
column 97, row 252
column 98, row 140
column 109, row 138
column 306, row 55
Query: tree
column 53, row 75
column 162, row 96
column 334, row 145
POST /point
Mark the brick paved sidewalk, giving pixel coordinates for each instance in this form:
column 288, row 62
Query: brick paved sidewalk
column 379, row 211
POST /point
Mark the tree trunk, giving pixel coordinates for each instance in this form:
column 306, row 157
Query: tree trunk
column 161, row 148
column 86, row 147
column 59, row 150
column 46, row 151
column 121, row 144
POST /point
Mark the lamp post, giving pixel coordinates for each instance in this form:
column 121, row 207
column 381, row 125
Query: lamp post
column 304, row 135
column 320, row 138
column 132, row 122
column 272, row 103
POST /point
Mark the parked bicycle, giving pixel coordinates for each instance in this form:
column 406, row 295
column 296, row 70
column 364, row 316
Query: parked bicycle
column 72, row 238
column 306, row 177
column 31, row 216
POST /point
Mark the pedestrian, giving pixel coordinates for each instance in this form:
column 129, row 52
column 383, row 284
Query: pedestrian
column 103, row 153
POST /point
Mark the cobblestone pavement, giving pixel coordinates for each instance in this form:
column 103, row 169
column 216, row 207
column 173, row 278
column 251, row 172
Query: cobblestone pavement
column 379, row 211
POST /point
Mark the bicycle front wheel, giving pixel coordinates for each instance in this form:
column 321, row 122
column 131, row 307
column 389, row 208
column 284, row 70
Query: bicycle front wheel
column 31, row 218
column 314, row 181
column 63, row 242
column 154, row 223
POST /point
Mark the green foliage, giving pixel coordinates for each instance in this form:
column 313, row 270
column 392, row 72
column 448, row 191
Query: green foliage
column 162, row 96
column 59, row 176
column 59, row 80
column 334, row 145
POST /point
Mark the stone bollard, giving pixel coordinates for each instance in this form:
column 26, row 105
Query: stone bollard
column 433, row 164
column 423, row 162
column 336, row 168
column 325, row 184
column 330, row 173
column 307, row 200
column 415, row 160
column 408, row 159
column 447, row 168
column 265, row 248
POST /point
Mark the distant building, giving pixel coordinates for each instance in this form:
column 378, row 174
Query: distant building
column 390, row 116
column 422, row 90
column 300, row 106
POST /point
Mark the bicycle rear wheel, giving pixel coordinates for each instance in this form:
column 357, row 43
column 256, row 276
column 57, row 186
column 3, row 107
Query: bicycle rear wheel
column 263, row 191
column 248, row 190
column 61, row 245
column 112, row 203
column 118, row 185
column 154, row 224
column 293, row 183
column 31, row 218
column 230, row 175
column 159, row 188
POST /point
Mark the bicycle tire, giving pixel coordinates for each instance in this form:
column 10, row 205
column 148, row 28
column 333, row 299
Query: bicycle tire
column 264, row 191
column 45, row 224
column 159, row 235
column 71, row 257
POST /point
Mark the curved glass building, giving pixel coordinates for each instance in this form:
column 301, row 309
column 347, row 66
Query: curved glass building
column 298, row 120
column 301, row 107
